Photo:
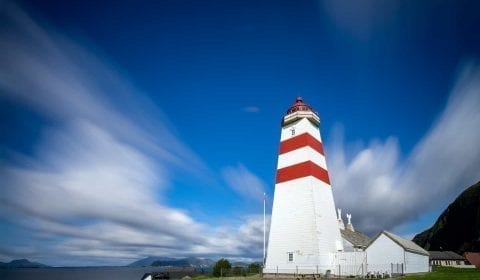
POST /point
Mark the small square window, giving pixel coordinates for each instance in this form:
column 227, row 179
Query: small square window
column 290, row 257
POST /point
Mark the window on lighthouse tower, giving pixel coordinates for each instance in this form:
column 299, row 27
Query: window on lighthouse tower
column 290, row 257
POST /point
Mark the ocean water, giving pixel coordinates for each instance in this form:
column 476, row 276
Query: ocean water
column 82, row 273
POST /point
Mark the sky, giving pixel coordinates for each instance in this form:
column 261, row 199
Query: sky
column 152, row 129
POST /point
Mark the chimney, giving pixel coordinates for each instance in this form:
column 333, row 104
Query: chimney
column 349, row 224
column 341, row 225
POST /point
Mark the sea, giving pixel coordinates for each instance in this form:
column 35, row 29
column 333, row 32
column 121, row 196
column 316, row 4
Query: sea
column 82, row 273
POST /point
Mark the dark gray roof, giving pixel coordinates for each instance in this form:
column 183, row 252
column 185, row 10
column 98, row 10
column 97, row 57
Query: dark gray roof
column 357, row 239
column 408, row 245
column 445, row 255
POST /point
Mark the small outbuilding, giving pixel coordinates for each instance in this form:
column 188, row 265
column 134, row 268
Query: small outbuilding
column 446, row 258
column 393, row 254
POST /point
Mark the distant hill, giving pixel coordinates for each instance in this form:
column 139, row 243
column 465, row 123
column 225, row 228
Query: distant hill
column 149, row 260
column 163, row 261
column 239, row 264
column 22, row 263
column 458, row 227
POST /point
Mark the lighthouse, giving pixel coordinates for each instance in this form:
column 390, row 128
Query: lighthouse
column 304, row 233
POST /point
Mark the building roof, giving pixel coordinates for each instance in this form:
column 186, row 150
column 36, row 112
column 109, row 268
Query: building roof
column 407, row 245
column 357, row 239
column 445, row 255
column 473, row 258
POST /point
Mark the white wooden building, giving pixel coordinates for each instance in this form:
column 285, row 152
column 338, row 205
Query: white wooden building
column 391, row 253
column 447, row 258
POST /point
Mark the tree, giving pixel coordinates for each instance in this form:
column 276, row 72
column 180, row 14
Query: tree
column 254, row 268
column 220, row 267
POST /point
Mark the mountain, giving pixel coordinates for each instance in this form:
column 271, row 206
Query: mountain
column 22, row 263
column 163, row 261
column 149, row 260
column 458, row 227
column 193, row 262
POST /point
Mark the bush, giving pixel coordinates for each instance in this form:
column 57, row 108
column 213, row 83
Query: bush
column 220, row 266
column 254, row 268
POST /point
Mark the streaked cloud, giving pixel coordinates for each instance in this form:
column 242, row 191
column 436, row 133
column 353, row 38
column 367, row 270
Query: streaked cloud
column 251, row 109
column 385, row 192
column 91, row 191
column 244, row 182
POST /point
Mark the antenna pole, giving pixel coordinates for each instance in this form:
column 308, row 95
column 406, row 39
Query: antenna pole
column 264, row 227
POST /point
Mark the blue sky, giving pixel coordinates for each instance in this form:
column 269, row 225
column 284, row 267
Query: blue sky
column 131, row 130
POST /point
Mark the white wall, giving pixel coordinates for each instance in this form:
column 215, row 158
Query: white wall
column 347, row 246
column 382, row 253
column 301, row 126
column 416, row 263
column 303, row 222
column 301, row 155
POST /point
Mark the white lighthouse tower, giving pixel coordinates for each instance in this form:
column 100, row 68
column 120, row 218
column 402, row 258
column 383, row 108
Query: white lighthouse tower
column 304, row 234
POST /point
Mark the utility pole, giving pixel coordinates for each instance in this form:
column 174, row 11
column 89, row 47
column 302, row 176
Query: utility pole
column 264, row 228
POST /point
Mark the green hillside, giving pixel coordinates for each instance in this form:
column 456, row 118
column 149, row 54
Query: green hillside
column 458, row 227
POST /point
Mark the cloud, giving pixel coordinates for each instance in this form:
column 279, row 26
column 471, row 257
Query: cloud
column 65, row 82
column 360, row 20
column 91, row 191
column 384, row 192
column 244, row 182
column 251, row 109
column 95, row 196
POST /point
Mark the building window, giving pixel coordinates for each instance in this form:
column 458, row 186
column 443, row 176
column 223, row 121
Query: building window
column 290, row 257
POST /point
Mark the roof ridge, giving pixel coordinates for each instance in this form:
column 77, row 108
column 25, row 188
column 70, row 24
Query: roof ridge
column 406, row 244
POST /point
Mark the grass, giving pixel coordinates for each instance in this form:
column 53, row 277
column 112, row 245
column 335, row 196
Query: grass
column 440, row 273
column 447, row 273
column 253, row 277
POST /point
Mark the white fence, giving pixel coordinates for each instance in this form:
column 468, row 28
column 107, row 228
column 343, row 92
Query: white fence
column 357, row 268
column 351, row 263
column 347, row 264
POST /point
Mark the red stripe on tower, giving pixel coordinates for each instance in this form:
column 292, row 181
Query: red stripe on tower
column 300, row 170
column 300, row 141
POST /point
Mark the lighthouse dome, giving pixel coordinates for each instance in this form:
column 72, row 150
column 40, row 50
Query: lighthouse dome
column 299, row 105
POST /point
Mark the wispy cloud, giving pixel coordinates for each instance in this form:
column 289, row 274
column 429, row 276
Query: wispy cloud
column 244, row 182
column 251, row 109
column 91, row 191
column 384, row 192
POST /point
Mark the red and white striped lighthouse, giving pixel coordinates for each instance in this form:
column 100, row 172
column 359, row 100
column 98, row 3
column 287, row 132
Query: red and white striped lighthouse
column 304, row 235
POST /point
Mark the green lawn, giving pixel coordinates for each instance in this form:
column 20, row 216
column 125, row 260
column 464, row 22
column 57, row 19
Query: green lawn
column 447, row 273
column 253, row 277
column 441, row 273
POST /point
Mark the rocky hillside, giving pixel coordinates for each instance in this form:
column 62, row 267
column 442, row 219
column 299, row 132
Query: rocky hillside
column 458, row 227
